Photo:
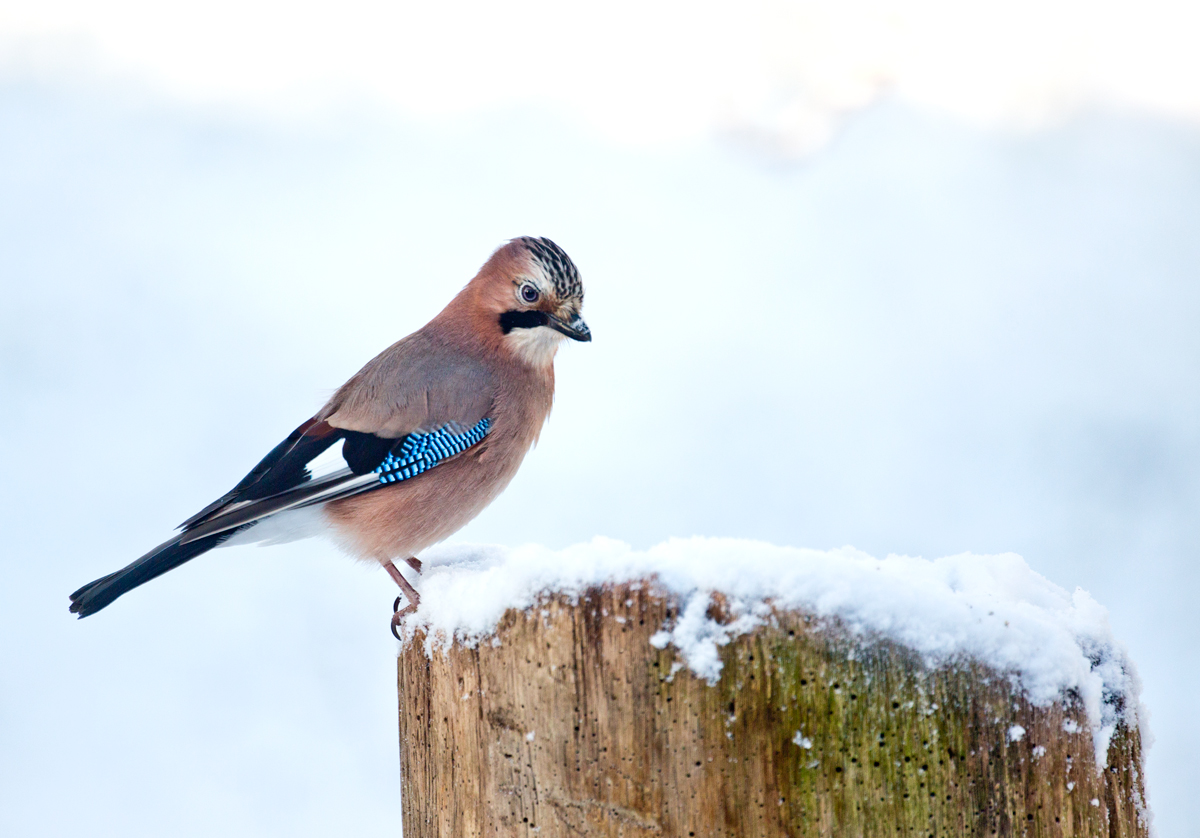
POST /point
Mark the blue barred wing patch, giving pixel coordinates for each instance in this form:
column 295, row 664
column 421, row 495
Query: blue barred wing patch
column 421, row 452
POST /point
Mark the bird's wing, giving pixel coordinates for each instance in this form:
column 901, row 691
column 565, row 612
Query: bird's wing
column 414, row 406
column 417, row 384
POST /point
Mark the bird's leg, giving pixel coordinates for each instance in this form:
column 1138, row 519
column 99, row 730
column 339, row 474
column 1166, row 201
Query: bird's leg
column 414, row 563
column 410, row 593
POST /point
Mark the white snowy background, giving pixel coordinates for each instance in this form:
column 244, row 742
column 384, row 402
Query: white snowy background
column 898, row 276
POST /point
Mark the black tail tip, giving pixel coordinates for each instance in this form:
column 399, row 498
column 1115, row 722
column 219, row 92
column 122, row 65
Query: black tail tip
column 86, row 607
column 79, row 607
column 83, row 604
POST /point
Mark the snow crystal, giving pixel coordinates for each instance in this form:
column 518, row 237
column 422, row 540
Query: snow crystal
column 1016, row 733
column 994, row 609
column 802, row 740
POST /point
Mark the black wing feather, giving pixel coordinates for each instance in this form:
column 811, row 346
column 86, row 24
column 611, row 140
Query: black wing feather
column 364, row 452
column 284, row 468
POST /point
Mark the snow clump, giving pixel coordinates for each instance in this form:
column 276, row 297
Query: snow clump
column 994, row 609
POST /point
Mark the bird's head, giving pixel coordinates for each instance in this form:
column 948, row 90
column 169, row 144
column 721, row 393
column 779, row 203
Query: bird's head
column 534, row 295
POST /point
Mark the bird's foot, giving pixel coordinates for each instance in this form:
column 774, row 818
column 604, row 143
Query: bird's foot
column 414, row 563
column 400, row 613
column 410, row 593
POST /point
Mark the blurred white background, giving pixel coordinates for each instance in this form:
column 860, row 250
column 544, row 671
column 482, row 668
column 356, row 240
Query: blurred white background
column 916, row 277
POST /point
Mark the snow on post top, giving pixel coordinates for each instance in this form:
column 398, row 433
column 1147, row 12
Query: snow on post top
column 994, row 609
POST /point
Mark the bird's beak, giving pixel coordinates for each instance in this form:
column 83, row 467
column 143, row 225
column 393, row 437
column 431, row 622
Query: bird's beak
column 575, row 330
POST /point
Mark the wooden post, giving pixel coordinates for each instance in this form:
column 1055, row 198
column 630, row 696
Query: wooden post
column 570, row 723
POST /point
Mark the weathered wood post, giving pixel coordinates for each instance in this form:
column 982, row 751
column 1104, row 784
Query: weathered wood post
column 570, row 721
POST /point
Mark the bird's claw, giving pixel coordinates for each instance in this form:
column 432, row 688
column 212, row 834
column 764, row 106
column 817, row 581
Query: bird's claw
column 399, row 614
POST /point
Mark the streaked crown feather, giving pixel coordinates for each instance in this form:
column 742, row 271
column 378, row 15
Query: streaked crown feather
column 557, row 266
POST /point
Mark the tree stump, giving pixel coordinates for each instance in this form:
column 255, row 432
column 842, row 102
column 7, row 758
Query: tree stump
column 569, row 722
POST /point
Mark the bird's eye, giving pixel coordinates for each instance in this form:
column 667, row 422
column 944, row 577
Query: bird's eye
column 529, row 294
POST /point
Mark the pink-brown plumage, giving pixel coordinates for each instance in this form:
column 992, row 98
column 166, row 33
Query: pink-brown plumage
column 479, row 375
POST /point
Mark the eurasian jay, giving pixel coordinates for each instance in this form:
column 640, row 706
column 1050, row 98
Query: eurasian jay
column 432, row 430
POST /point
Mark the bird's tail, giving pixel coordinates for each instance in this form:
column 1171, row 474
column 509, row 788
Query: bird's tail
column 169, row 555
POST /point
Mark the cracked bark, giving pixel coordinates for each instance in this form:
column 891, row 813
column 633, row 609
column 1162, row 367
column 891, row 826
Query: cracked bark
column 572, row 724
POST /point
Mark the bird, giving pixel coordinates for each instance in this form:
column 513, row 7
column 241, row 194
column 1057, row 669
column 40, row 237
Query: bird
column 432, row 430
